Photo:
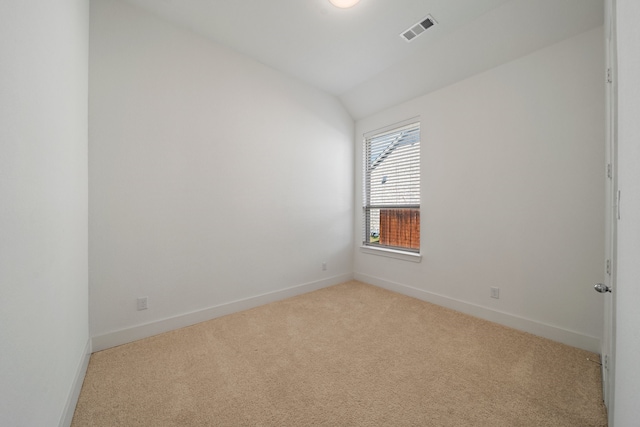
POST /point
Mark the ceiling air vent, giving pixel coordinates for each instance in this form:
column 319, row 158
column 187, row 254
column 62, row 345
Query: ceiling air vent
column 415, row 30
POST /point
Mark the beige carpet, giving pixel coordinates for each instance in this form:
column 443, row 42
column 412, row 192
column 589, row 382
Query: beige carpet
column 348, row 355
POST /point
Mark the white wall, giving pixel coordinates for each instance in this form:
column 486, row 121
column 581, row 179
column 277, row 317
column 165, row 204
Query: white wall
column 627, row 374
column 43, row 209
column 513, row 194
column 213, row 178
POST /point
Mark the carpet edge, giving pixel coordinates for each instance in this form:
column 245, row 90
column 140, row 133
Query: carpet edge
column 74, row 393
column 134, row 333
column 554, row 333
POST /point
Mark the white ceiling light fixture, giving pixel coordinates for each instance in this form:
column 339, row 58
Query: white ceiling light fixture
column 344, row 4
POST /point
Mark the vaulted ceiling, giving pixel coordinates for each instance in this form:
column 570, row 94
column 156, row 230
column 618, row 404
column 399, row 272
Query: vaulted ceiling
column 358, row 55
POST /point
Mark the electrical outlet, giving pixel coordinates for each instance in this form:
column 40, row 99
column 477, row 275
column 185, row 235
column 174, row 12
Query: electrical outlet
column 324, row 266
column 142, row 303
column 495, row 293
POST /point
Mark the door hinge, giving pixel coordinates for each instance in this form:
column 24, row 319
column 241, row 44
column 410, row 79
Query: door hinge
column 609, row 76
column 609, row 175
column 609, row 267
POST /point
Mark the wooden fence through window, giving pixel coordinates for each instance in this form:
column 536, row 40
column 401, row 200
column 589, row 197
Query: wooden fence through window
column 400, row 227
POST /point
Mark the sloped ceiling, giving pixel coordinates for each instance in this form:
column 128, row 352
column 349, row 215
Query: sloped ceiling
column 357, row 53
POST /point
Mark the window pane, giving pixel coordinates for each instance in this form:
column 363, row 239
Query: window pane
column 392, row 188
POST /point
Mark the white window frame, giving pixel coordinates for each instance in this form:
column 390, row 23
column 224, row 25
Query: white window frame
column 392, row 200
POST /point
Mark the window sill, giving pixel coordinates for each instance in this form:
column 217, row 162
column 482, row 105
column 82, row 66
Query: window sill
column 391, row 253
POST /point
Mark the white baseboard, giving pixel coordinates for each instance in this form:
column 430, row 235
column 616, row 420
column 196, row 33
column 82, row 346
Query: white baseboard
column 572, row 338
column 76, row 387
column 135, row 333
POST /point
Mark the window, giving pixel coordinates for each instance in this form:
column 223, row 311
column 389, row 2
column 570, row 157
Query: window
column 392, row 188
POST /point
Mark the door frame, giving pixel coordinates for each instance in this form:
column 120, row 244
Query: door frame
column 612, row 213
